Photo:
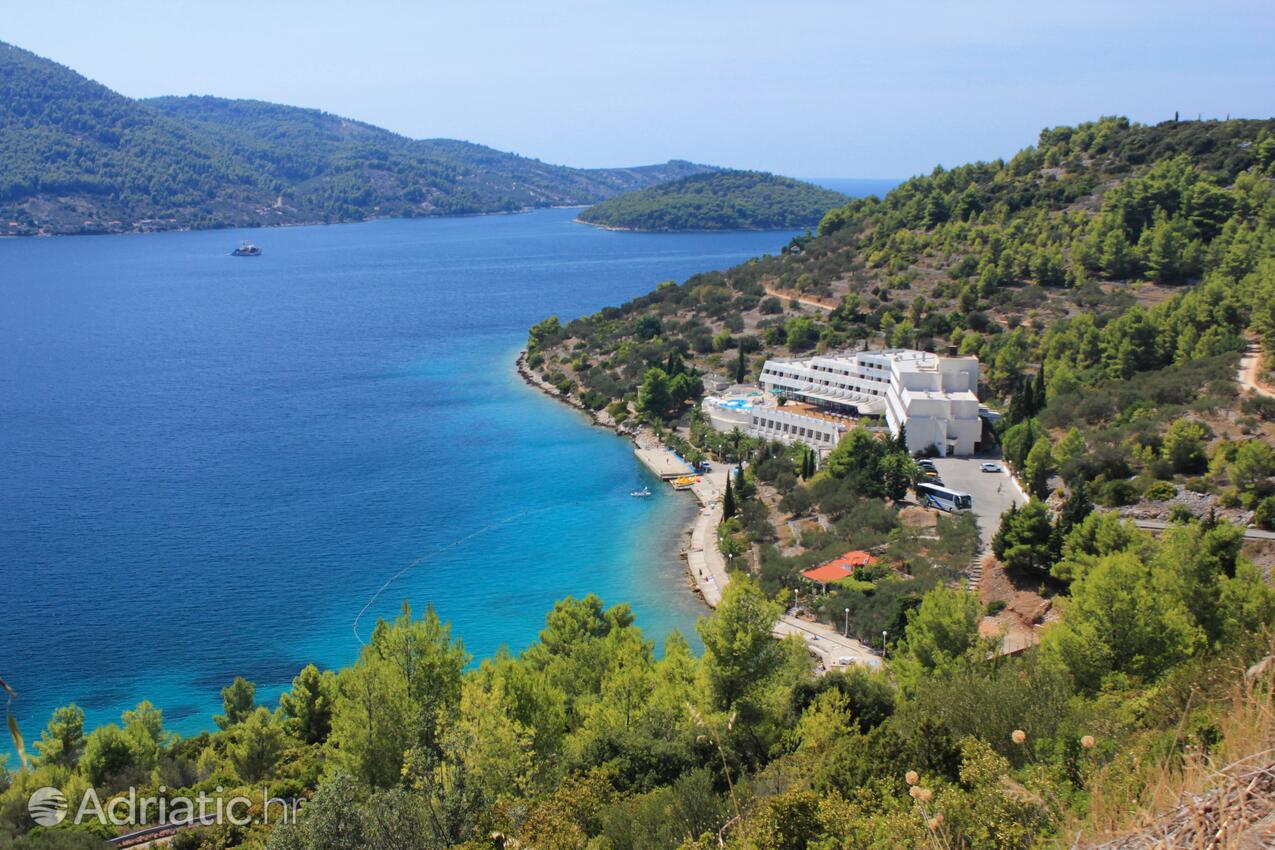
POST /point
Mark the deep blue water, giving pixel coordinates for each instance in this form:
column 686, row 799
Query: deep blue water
column 211, row 464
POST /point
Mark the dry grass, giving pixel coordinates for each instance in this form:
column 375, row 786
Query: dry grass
column 1222, row 798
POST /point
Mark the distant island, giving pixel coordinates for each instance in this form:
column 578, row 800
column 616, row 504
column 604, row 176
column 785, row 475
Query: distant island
column 76, row 157
column 717, row 200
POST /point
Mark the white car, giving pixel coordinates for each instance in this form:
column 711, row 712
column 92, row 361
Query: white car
column 989, row 467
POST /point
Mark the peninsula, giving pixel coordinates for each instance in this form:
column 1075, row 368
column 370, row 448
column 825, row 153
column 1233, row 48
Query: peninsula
column 717, row 200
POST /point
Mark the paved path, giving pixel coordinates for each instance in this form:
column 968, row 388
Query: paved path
column 708, row 568
column 663, row 462
column 705, row 561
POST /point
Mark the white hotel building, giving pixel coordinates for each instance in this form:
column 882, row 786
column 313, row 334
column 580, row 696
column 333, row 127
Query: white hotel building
column 934, row 397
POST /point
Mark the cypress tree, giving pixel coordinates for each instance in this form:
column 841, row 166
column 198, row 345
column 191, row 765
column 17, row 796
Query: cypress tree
column 1019, row 403
column 1039, row 395
column 741, row 367
column 674, row 366
column 1076, row 508
column 728, row 501
column 1073, row 513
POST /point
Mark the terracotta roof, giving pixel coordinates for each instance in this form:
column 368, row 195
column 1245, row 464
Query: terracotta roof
column 840, row 568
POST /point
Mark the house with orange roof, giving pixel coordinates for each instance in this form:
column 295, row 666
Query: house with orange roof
column 838, row 569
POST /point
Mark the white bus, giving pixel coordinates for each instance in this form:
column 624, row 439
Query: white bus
column 953, row 501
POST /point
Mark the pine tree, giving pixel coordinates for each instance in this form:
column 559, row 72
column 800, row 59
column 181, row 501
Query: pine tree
column 728, row 501
column 999, row 539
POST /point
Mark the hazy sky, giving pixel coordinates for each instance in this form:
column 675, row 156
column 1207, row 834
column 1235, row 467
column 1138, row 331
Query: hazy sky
column 806, row 88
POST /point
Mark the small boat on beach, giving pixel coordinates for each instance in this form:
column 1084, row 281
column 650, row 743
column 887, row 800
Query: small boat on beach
column 246, row 249
column 641, row 494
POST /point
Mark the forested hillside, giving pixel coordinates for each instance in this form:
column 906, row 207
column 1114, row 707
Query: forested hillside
column 344, row 168
column 76, row 157
column 722, row 200
column 590, row 739
column 1107, row 279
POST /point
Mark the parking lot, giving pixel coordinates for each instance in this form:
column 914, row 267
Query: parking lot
column 992, row 492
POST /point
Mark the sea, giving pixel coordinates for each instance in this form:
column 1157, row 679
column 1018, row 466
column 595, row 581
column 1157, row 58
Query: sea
column 217, row 466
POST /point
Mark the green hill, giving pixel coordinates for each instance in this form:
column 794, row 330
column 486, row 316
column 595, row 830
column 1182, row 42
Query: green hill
column 78, row 157
column 719, row 200
column 343, row 167
column 1107, row 279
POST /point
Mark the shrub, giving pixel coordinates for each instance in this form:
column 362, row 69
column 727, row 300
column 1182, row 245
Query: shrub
column 593, row 400
column 1264, row 515
column 1160, row 491
column 1116, row 493
column 1181, row 515
column 1263, row 407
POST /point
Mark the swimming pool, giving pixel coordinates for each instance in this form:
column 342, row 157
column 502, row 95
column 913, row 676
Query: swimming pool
column 735, row 403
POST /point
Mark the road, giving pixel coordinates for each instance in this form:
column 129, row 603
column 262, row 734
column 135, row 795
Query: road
column 993, row 492
column 808, row 300
column 1161, row 525
column 827, row 643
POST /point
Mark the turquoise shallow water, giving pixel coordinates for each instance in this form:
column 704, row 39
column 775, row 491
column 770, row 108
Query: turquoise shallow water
column 212, row 464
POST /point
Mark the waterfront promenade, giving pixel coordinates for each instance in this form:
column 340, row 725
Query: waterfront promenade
column 708, row 569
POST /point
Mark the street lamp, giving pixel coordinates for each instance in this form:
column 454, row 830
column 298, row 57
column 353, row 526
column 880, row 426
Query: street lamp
column 883, row 636
column 847, row 622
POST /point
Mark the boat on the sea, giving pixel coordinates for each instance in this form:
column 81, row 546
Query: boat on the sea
column 246, row 249
column 641, row 494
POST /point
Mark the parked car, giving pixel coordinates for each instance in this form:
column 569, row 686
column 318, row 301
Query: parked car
column 926, row 464
column 989, row 467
